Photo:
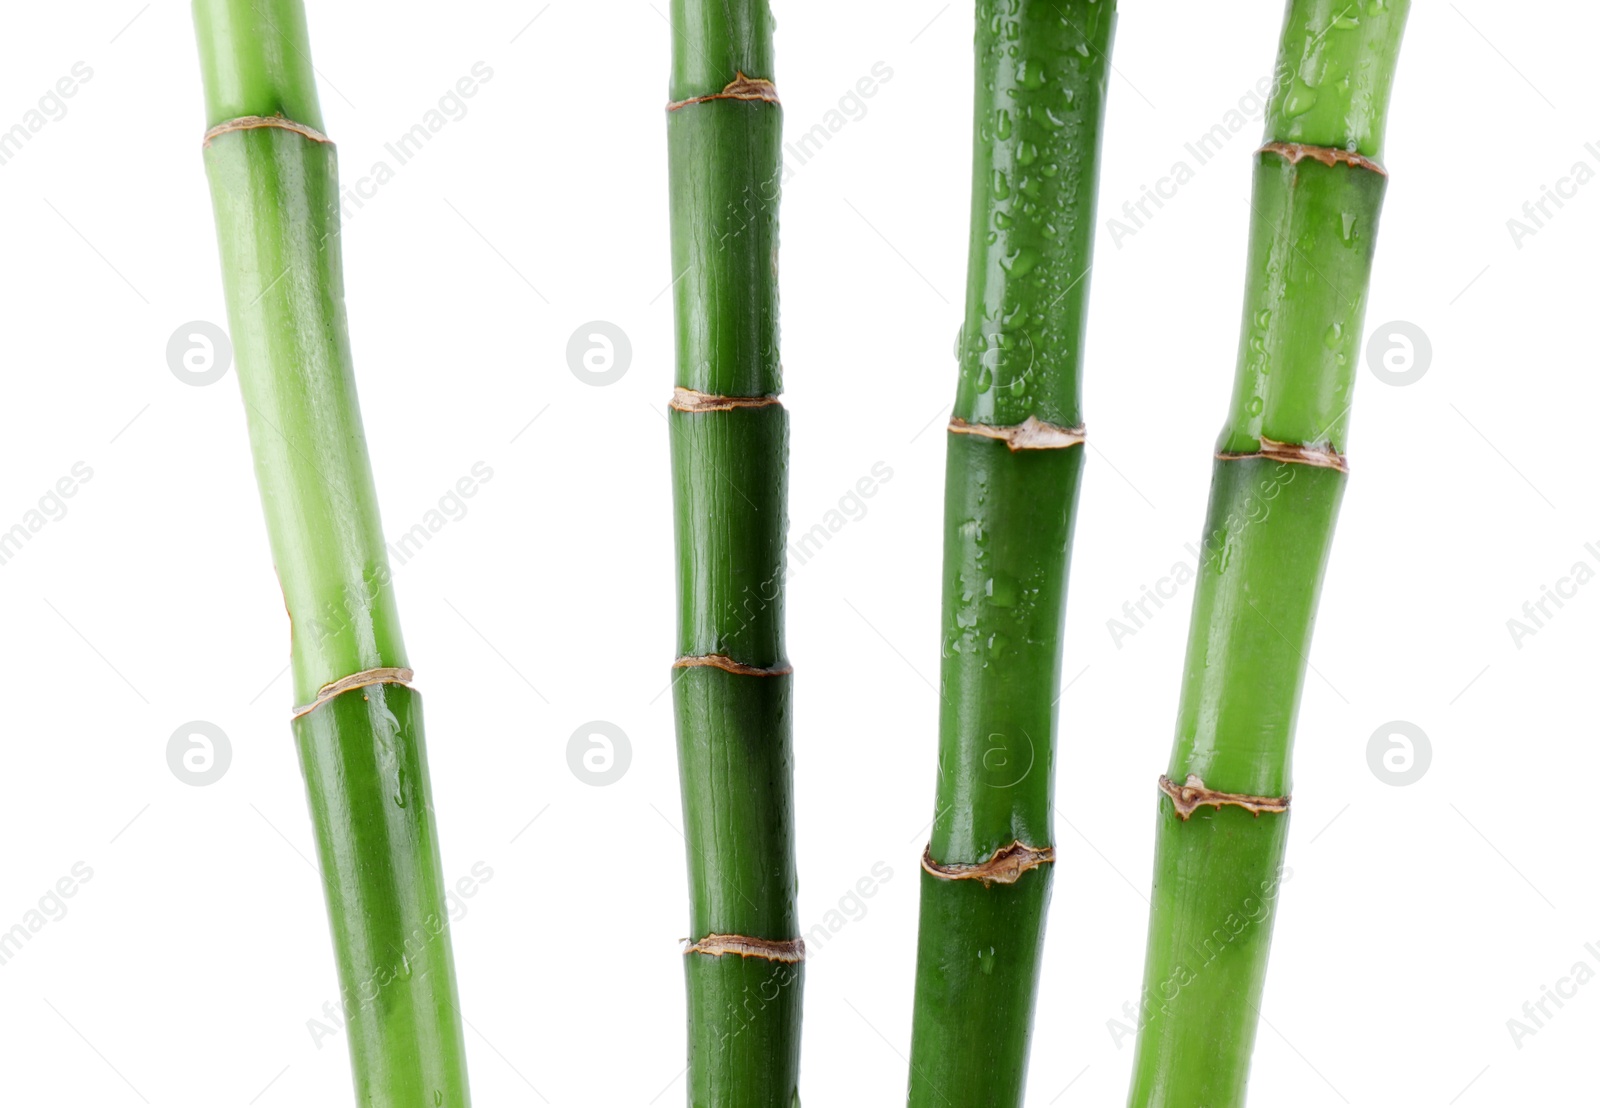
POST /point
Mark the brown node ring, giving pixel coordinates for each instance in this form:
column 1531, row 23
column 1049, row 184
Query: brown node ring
column 1329, row 156
column 1297, row 453
column 1003, row 867
column 773, row 950
column 1031, row 434
column 383, row 675
column 723, row 662
column 692, row 400
column 740, row 88
column 1193, row 794
column 257, row 122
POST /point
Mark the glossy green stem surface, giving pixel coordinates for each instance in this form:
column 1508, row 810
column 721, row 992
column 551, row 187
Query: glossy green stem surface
column 729, row 468
column 1041, row 74
column 1269, row 529
column 366, row 773
column 276, row 198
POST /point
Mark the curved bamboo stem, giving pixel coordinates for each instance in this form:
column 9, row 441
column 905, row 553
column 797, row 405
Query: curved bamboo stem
column 274, row 187
column 1278, row 478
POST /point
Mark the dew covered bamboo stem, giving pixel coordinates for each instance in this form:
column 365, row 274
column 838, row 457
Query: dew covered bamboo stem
column 1013, row 463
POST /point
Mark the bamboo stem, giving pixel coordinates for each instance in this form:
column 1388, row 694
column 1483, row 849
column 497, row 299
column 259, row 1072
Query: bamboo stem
column 274, row 187
column 1223, row 820
column 1012, row 472
column 729, row 439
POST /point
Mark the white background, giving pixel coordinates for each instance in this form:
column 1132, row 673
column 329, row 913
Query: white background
column 1419, row 919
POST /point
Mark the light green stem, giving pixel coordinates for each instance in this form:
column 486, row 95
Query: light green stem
column 274, row 187
column 1277, row 482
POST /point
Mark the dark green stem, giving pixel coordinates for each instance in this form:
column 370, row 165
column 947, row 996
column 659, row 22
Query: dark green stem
column 274, row 187
column 1041, row 76
column 1275, row 492
column 729, row 463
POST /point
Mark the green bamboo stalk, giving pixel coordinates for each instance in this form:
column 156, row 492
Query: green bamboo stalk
column 729, row 438
column 1223, row 815
column 274, row 187
column 1012, row 472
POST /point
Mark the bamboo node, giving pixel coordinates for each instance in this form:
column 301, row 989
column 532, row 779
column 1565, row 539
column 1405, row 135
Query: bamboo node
column 773, row 950
column 383, row 675
column 740, row 88
column 1031, row 434
column 723, row 662
column 1307, row 454
column 1003, row 867
column 1193, row 794
column 255, row 122
column 1329, row 156
column 691, row 400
